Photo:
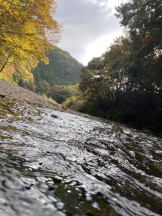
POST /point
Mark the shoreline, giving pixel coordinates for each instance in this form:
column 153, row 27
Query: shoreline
column 15, row 92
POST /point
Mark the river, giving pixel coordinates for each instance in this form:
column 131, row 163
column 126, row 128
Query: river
column 56, row 163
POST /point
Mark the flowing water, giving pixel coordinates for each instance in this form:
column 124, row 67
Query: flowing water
column 56, row 163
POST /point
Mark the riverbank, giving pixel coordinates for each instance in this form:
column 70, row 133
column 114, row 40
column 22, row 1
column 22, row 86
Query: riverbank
column 10, row 90
column 15, row 92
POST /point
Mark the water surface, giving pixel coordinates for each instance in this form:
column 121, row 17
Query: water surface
column 56, row 163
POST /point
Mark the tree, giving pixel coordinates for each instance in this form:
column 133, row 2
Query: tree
column 125, row 83
column 27, row 31
column 43, row 86
column 61, row 95
column 143, row 20
column 104, row 77
column 61, row 67
column 67, row 83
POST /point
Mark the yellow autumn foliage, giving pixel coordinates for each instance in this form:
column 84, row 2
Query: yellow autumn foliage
column 27, row 33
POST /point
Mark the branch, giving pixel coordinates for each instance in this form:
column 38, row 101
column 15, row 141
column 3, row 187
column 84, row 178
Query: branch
column 5, row 62
column 150, row 90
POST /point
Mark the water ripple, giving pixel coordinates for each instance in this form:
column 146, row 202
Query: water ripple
column 56, row 163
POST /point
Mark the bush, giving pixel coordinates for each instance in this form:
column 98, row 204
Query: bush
column 43, row 86
column 61, row 95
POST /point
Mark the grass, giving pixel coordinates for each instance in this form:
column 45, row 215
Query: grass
column 45, row 96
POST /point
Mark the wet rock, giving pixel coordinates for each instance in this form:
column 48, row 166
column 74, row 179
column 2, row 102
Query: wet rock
column 98, row 128
column 3, row 96
column 85, row 116
column 57, row 179
column 132, row 153
column 60, row 205
column 54, row 116
column 10, row 110
column 128, row 132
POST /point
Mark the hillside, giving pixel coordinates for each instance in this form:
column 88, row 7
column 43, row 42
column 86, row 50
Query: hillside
column 62, row 67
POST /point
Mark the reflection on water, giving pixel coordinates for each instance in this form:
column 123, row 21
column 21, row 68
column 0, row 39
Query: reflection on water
column 56, row 163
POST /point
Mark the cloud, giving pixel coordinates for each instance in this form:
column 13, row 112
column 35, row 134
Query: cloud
column 85, row 21
column 99, row 46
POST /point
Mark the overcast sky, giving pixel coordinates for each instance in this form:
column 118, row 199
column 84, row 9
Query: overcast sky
column 89, row 27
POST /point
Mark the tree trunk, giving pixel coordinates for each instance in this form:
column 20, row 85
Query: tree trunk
column 3, row 66
column 157, row 103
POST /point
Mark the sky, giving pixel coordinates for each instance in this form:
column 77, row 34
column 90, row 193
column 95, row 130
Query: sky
column 89, row 27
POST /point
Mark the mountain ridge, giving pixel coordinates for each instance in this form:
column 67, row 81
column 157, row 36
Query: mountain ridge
column 62, row 67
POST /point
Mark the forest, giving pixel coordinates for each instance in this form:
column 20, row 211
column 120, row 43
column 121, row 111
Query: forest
column 125, row 83
column 62, row 67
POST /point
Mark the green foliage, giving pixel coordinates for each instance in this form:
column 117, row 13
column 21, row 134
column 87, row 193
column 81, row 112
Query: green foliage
column 29, row 85
column 43, row 86
column 143, row 19
column 67, row 83
column 45, row 96
column 22, row 83
column 76, row 103
column 61, row 68
column 74, row 90
column 61, row 95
